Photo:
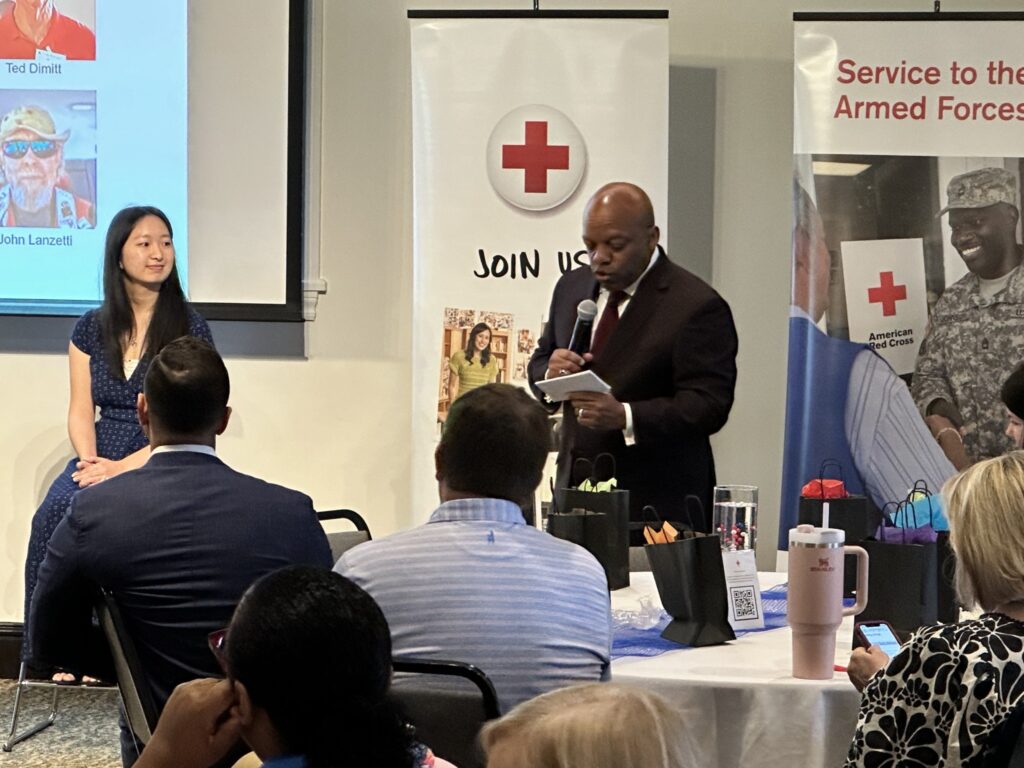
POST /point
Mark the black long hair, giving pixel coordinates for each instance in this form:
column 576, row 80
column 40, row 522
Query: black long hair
column 314, row 650
column 170, row 315
column 485, row 353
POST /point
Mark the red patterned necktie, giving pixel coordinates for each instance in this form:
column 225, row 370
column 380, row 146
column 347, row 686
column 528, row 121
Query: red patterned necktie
column 609, row 319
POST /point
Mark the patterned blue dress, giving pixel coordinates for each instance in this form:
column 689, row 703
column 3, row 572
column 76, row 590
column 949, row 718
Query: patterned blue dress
column 118, row 433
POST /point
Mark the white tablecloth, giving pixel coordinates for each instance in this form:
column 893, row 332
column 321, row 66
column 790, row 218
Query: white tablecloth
column 742, row 706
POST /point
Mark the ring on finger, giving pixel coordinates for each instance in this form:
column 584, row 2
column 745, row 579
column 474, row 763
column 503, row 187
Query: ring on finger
column 562, row 372
column 581, row 413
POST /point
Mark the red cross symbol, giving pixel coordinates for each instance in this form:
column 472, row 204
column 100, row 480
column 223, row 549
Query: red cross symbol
column 887, row 294
column 536, row 157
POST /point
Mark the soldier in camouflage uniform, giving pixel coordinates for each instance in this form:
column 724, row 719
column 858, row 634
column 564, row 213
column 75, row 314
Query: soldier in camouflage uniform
column 976, row 332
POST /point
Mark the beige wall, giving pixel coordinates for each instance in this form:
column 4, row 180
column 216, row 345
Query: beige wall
column 336, row 424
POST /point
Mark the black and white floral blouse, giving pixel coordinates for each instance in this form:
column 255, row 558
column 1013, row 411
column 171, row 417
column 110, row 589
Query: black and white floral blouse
column 941, row 696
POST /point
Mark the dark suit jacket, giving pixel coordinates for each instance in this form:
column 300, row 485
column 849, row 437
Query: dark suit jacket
column 177, row 541
column 672, row 357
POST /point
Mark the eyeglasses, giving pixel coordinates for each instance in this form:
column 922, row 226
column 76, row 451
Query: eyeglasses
column 218, row 642
column 41, row 148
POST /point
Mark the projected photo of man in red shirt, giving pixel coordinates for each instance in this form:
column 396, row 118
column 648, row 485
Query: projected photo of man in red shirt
column 35, row 29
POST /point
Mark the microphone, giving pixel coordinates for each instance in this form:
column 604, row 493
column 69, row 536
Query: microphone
column 586, row 311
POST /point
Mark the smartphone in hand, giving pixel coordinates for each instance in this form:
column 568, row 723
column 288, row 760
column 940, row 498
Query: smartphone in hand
column 878, row 633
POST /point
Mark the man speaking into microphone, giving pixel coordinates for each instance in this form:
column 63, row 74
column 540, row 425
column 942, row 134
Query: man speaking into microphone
column 662, row 338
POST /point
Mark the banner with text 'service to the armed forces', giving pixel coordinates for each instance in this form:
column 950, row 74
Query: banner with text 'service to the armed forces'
column 907, row 309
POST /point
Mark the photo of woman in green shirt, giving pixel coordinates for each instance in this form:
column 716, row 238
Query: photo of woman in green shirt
column 473, row 366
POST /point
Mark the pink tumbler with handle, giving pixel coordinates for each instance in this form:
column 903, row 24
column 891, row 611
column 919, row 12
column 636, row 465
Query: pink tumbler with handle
column 815, row 600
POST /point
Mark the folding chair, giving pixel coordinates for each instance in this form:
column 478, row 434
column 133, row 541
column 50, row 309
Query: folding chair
column 341, row 541
column 137, row 697
column 447, row 716
column 24, row 683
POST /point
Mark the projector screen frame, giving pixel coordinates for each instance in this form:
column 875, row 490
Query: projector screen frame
column 291, row 309
column 297, row 122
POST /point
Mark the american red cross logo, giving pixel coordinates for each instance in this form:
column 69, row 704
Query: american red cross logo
column 887, row 294
column 536, row 156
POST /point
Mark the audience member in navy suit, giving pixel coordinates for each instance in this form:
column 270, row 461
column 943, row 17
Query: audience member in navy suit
column 177, row 541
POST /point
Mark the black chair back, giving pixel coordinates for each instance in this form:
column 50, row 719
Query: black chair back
column 139, row 706
column 341, row 541
column 447, row 715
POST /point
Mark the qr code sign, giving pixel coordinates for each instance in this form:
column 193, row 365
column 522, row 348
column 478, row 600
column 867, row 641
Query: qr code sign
column 743, row 603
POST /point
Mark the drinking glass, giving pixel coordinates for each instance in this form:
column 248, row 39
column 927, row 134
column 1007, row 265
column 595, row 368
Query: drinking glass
column 735, row 516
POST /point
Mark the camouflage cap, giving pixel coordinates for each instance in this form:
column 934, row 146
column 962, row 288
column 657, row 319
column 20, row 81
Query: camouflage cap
column 34, row 119
column 981, row 188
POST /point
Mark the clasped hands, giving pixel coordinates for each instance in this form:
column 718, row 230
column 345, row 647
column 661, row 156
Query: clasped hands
column 595, row 410
column 93, row 469
column 199, row 725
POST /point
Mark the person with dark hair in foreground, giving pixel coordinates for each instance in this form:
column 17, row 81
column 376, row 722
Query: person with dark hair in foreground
column 338, row 717
column 177, row 541
column 476, row 584
column 143, row 308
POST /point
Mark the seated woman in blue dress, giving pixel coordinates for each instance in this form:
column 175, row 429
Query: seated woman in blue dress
column 143, row 308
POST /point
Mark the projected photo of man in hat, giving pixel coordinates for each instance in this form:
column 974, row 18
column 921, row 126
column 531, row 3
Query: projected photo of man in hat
column 36, row 190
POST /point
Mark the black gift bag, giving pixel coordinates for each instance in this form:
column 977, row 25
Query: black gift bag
column 598, row 522
column 946, row 603
column 902, row 584
column 947, row 607
column 855, row 515
column 691, row 582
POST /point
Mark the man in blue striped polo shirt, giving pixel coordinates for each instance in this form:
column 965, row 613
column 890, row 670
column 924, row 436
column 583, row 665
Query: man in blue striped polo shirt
column 476, row 583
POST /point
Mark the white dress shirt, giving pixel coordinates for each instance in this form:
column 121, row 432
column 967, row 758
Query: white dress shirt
column 190, row 447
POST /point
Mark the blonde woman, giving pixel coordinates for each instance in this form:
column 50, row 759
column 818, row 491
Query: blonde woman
column 938, row 701
column 600, row 725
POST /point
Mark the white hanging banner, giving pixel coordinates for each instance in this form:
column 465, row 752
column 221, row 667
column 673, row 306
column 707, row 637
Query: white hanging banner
column 516, row 121
column 909, row 87
column 907, row 139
